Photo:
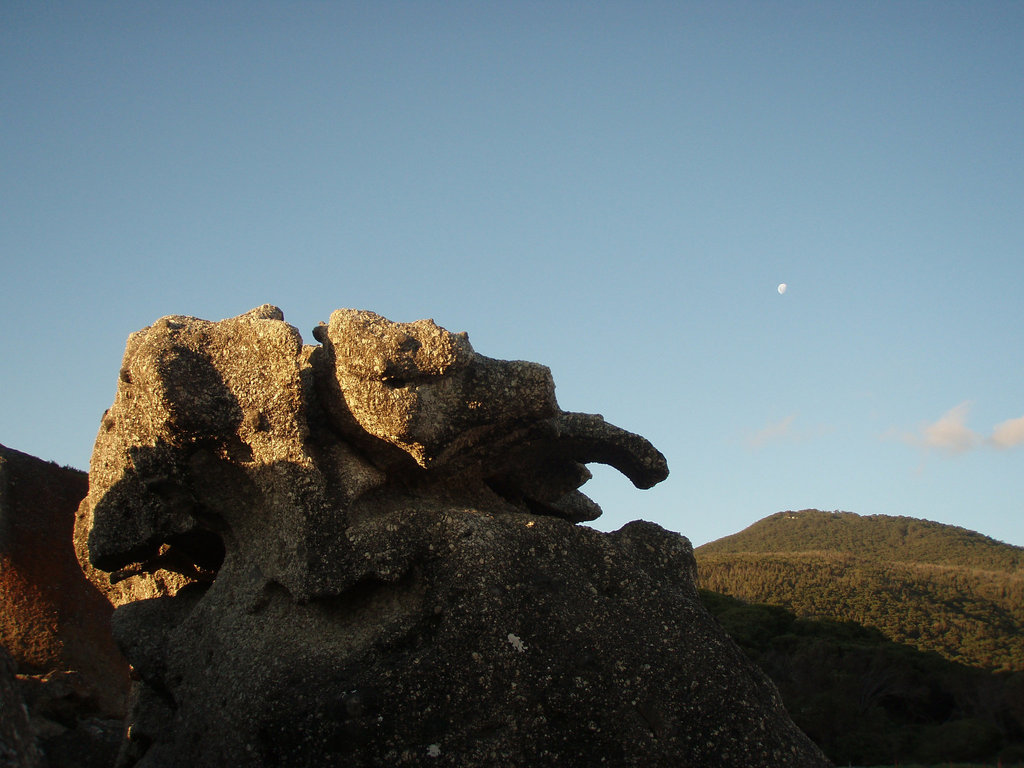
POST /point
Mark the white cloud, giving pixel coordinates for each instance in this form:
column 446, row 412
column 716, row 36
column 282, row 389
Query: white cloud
column 1008, row 434
column 950, row 434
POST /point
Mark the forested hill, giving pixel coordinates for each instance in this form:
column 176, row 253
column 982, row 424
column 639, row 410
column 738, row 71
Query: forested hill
column 936, row 587
column 879, row 537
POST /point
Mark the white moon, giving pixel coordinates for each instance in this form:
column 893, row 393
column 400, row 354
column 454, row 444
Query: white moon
column 782, row 288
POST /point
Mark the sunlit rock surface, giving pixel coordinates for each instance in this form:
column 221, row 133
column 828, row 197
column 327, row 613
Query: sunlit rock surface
column 379, row 564
column 56, row 651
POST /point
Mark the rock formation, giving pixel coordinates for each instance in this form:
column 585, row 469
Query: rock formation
column 52, row 617
column 377, row 563
column 54, row 621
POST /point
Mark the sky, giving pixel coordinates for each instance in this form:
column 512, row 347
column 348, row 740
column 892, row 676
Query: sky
column 613, row 189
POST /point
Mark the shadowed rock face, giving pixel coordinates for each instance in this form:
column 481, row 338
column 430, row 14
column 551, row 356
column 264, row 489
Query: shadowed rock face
column 378, row 564
column 17, row 738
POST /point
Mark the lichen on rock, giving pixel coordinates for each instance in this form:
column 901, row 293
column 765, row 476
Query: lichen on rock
column 378, row 563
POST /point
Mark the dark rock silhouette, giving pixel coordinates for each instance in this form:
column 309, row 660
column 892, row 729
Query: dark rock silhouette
column 18, row 748
column 378, row 564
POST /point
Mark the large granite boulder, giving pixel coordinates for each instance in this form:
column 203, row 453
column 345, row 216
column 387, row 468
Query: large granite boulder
column 378, row 563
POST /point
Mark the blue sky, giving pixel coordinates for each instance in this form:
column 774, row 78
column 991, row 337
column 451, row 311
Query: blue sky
column 614, row 189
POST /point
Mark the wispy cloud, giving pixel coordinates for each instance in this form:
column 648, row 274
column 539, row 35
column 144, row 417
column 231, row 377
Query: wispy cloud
column 782, row 431
column 1008, row 434
column 951, row 435
column 769, row 433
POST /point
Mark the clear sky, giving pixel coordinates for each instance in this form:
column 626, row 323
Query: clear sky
column 614, row 189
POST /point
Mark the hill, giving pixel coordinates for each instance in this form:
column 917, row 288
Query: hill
column 931, row 586
column 866, row 700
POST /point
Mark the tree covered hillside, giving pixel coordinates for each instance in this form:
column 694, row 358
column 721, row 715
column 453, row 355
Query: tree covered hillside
column 935, row 587
column 880, row 537
column 866, row 700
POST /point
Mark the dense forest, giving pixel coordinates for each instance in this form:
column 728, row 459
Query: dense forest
column 930, row 586
column 875, row 537
column 866, row 700
column 891, row 639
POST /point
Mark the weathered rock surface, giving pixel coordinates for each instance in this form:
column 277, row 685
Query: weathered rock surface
column 378, row 564
column 52, row 617
column 55, row 623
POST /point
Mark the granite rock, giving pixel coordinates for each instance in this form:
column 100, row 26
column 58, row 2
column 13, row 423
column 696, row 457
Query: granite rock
column 379, row 564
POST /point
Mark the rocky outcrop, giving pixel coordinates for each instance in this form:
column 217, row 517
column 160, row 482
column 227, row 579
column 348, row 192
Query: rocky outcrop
column 52, row 617
column 377, row 563
column 64, row 667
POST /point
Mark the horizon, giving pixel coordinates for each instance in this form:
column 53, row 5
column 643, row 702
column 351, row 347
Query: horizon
column 618, row 193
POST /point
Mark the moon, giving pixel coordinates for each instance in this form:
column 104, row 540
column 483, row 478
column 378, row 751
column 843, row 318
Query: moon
column 782, row 288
